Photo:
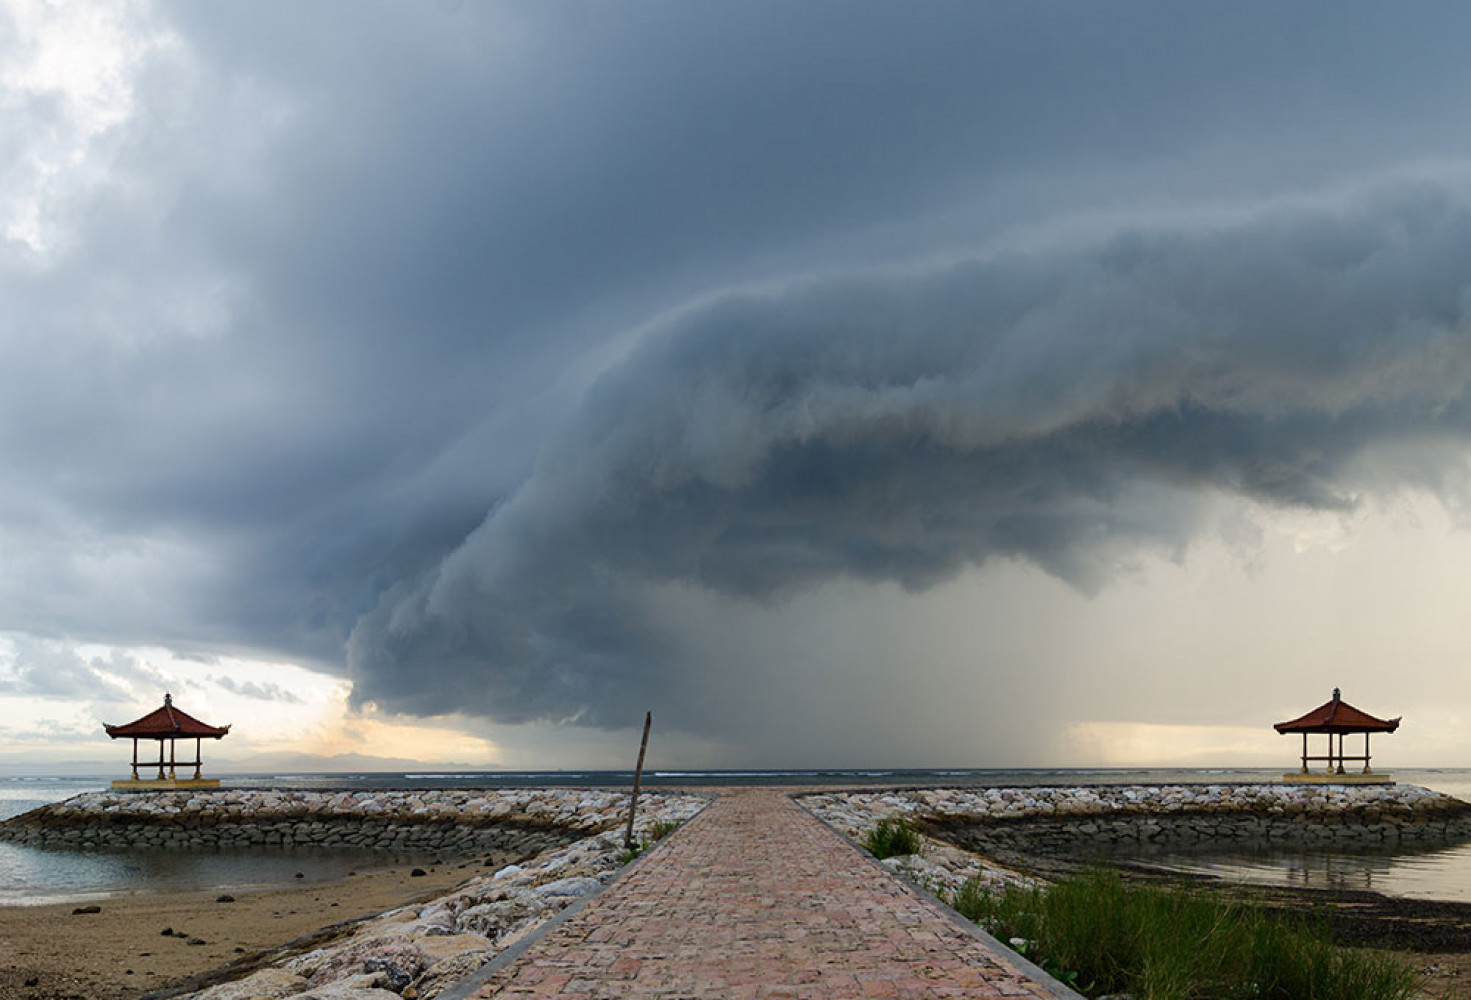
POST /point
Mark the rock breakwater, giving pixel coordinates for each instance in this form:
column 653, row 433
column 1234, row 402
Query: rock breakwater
column 1010, row 822
column 460, row 821
column 420, row 950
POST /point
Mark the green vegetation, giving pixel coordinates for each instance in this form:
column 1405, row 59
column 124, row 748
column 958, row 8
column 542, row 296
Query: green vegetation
column 659, row 829
column 1101, row 935
column 655, row 832
column 891, row 838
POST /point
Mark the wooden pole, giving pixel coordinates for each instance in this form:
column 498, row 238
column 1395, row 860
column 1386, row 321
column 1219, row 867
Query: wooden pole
column 638, row 777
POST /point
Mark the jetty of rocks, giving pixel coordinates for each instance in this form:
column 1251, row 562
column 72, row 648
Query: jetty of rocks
column 1008, row 822
column 449, row 821
column 422, row 949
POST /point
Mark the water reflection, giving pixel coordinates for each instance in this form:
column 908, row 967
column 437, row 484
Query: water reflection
column 1417, row 871
column 34, row 875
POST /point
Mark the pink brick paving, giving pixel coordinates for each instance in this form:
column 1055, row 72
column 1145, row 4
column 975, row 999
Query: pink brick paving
column 756, row 898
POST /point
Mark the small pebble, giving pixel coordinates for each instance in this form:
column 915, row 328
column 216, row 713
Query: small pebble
column 224, row 897
column 87, row 909
column 167, row 932
column 417, row 872
column 196, row 941
column 300, row 875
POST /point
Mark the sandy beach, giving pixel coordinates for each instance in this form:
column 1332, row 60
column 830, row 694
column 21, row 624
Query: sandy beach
column 121, row 952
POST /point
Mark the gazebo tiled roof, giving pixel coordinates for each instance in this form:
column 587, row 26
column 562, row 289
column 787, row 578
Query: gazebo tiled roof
column 1337, row 716
column 166, row 722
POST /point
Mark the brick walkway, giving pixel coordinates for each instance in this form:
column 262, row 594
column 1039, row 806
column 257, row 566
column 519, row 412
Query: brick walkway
column 756, row 898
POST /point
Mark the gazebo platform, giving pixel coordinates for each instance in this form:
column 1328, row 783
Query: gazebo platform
column 162, row 784
column 1319, row 778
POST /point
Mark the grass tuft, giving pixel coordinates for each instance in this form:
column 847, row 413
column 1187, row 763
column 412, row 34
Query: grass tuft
column 890, row 839
column 659, row 829
column 1157, row 943
column 653, row 833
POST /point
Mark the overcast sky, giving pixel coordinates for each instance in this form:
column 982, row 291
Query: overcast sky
column 848, row 383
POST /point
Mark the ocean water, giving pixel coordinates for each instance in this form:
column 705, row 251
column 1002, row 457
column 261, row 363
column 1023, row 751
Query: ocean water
column 31, row 875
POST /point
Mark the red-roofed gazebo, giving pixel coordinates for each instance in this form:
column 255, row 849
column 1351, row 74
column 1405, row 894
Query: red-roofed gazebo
column 168, row 724
column 1337, row 717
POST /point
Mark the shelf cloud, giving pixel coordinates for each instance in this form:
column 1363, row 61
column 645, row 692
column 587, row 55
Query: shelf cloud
column 1065, row 406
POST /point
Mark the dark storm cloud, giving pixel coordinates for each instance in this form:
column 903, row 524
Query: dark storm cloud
column 902, row 426
column 313, row 357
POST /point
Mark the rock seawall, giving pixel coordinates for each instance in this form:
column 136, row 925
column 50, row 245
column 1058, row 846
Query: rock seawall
column 422, row 949
column 1080, row 819
column 522, row 821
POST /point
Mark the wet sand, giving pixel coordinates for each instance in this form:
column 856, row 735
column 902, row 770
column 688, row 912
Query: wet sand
column 120, row 952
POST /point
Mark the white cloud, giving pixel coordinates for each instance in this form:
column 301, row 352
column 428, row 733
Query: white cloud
column 67, row 89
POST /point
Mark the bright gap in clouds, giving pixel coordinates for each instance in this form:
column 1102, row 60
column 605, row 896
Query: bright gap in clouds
column 58, row 696
column 68, row 83
column 1190, row 664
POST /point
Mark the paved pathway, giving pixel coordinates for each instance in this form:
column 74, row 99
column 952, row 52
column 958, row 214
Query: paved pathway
column 756, row 898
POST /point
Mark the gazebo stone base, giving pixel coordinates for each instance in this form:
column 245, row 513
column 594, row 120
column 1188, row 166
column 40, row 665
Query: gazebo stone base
column 1348, row 778
column 162, row 784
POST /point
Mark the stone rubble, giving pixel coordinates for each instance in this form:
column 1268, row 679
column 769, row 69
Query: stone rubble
column 1011, row 823
column 940, row 868
column 462, row 821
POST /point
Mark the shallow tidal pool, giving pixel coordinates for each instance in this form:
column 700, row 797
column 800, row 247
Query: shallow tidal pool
column 1414, row 872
